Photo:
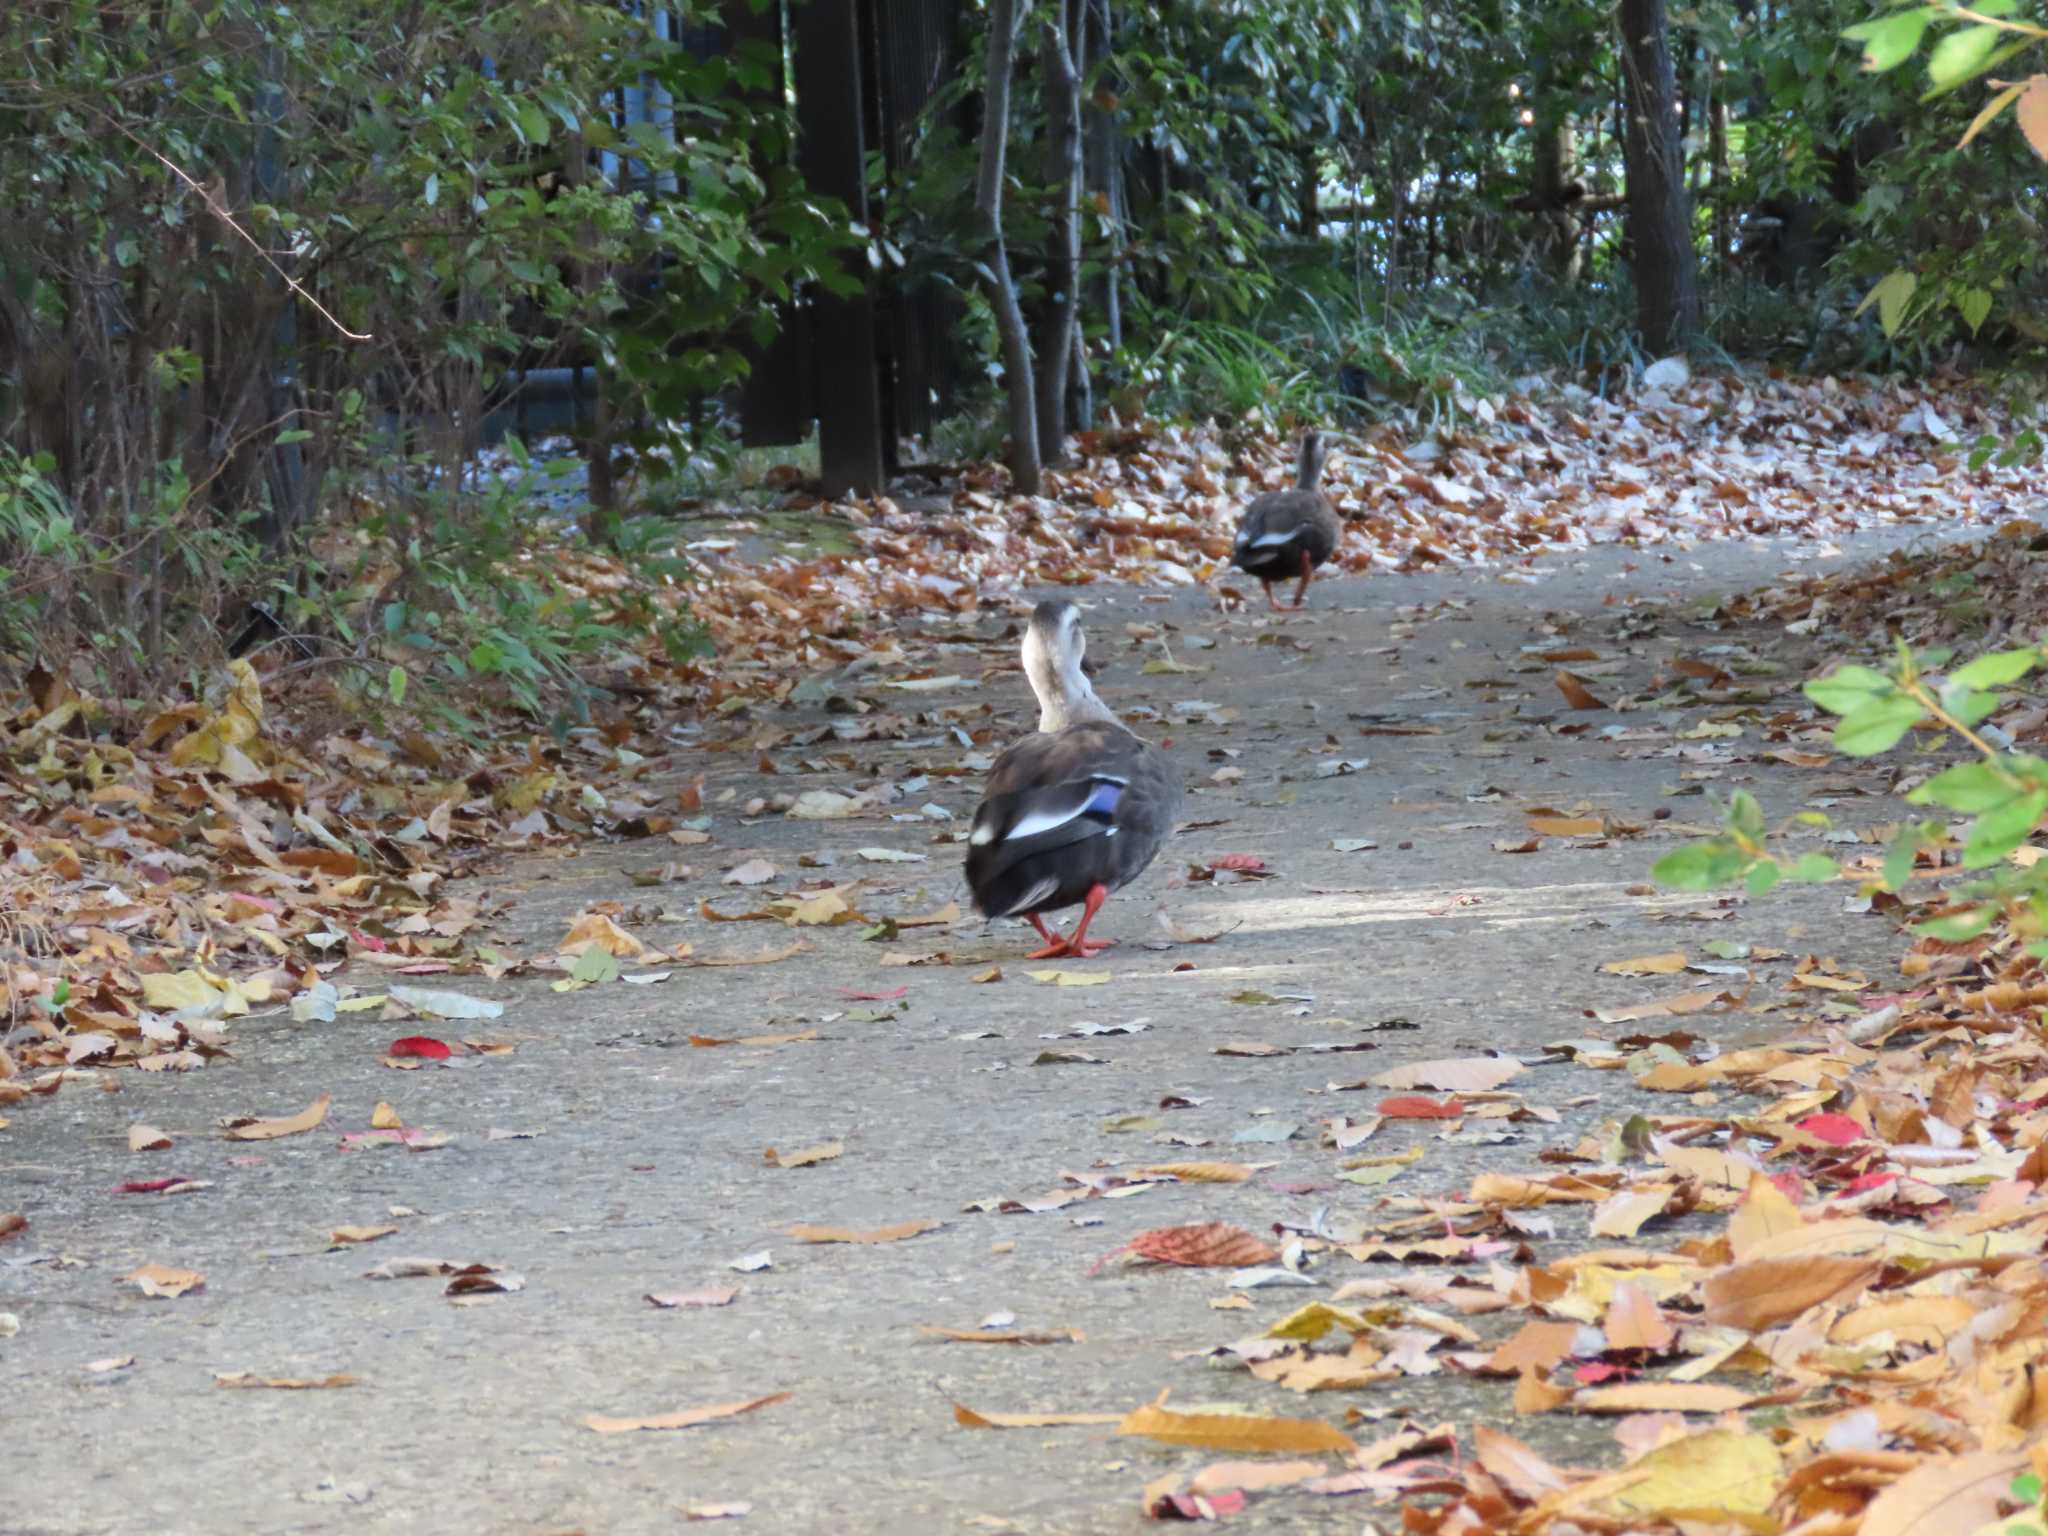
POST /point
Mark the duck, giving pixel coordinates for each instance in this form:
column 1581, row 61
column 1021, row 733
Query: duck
column 1073, row 812
column 1289, row 533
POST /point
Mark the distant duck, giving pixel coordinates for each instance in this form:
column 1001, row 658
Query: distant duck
column 1289, row 533
column 1074, row 812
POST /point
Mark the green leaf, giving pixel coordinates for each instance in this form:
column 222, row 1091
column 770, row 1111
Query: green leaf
column 1894, row 291
column 1958, row 926
column 1967, row 787
column 394, row 684
column 1877, row 727
column 2027, row 1489
column 1813, row 869
column 1974, row 305
column 1996, row 669
column 1996, row 833
column 1700, row 866
column 1745, row 816
column 293, row 435
column 1762, row 876
column 1960, row 56
column 531, row 122
column 595, row 965
column 1847, row 688
column 2020, row 45
column 1890, row 40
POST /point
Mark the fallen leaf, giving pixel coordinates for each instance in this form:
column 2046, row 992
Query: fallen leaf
column 1576, row 693
column 1069, row 978
column 385, row 1118
column 1196, row 1173
column 1669, row 964
column 895, row 1234
column 1002, row 1335
column 1661, row 1397
column 147, row 1138
column 12, row 1224
column 248, row 1379
column 1622, row 1215
column 824, row 1152
column 967, row 1418
column 1758, row 1293
column 1948, row 1493
column 1716, row 1475
column 1567, row 826
column 710, row 1296
column 158, row 1281
column 1469, row 1074
column 425, row 1047
column 733, row 1510
column 1411, row 1108
column 446, row 1005
column 1251, row 1476
column 270, row 1130
column 342, row 1236
column 685, row 1418
column 1199, row 1245
column 1234, row 1431
column 753, row 872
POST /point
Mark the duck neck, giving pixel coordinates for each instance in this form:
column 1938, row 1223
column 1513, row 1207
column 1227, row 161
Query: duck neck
column 1066, row 697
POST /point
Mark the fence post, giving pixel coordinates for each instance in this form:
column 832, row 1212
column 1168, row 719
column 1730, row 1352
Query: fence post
column 830, row 153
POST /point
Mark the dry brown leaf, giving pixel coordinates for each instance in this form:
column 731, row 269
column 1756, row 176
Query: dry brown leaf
column 895, row 1234
column 1634, row 1321
column 967, row 1418
column 1514, row 1465
column 147, row 1138
column 293, row 1125
column 249, row 1379
column 158, row 1280
column 1251, row 1476
column 1661, row 1397
column 1566, row 826
column 1534, row 1394
column 1200, row 1245
column 1667, row 964
column 824, row 1152
column 1003, row 1335
column 1465, row 1074
column 595, row 930
column 1536, row 1345
column 1197, row 1173
column 1761, row 1293
column 685, row 1418
column 1622, row 1215
column 1945, row 1493
column 341, row 1237
column 1765, row 1212
column 1233, row 1431
column 1576, row 693
column 12, row 1224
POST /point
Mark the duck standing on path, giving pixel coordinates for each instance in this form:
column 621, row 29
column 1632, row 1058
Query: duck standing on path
column 1074, row 812
column 1289, row 533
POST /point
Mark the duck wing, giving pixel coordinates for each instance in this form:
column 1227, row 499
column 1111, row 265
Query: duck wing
column 1065, row 812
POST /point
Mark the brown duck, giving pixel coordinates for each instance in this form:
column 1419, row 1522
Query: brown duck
column 1289, row 533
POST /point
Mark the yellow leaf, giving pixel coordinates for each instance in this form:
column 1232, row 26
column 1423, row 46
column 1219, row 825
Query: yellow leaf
column 895, row 1234
column 1069, row 978
column 1706, row 1477
column 1234, row 1431
column 594, row 928
column 157, row 1280
column 342, row 1236
column 1669, row 964
column 385, row 1118
column 270, row 1130
column 175, row 991
column 824, row 1152
column 1765, row 1212
column 1198, row 1173
column 1315, row 1320
column 685, row 1419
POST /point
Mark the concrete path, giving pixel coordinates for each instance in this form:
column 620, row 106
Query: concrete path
column 639, row 1164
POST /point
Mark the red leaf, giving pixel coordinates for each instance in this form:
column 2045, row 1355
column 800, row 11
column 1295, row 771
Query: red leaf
column 369, row 941
column 873, row 997
column 1791, row 1186
column 1414, row 1107
column 1205, row 1244
column 1865, row 1183
column 1595, row 1371
column 1835, row 1130
column 421, row 1045
column 149, row 1186
column 1237, row 861
column 1196, row 1506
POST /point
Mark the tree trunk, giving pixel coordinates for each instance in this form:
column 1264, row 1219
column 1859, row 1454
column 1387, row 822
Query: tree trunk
column 988, row 198
column 1105, row 179
column 1659, row 213
column 1556, row 151
column 1060, row 54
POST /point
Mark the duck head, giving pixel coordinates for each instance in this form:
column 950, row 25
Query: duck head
column 1054, row 652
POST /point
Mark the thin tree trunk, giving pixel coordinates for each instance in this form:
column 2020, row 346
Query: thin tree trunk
column 1060, row 55
column 1104, row 176
column 1025, row 475
column 1556, row 146
column 1659, row 218
column 1717, row 165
